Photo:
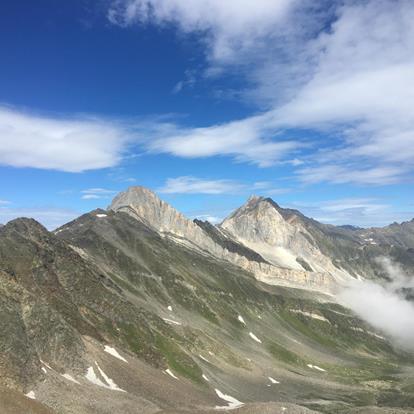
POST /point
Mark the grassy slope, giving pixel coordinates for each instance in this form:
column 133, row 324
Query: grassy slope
column 209, row 296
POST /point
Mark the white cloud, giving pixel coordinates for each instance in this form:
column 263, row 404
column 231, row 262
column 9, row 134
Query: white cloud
column 363, row 212
column 248, row 140
column 187, row 185
column 195, row 185
column 340, row 174
column 228, row 26
column 4, row 202
column 50, row 217
column 383, row 305
column 72, row 145
column 362, row 91
column 346, row 73
column 97, row 193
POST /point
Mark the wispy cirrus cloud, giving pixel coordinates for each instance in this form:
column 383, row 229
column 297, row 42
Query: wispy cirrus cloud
column 250, row 140
column 363, row 212
column 97, row 193
column 228, row 26
column 345, row 72
column 50, row 217
column 196, row 185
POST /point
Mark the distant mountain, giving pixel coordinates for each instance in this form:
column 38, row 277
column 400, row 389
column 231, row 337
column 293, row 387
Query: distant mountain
column 137, row 309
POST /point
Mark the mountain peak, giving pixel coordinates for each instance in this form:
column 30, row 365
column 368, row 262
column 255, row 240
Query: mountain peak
column 254, row 198
column 25, row 225
column 144, row 205
column 135, row 195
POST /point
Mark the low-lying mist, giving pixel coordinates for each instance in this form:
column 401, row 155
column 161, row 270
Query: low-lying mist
column 384, row 305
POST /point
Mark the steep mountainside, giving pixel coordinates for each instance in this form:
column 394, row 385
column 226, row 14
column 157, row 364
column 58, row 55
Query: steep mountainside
column 286, row 237
column 145, row 206
column 116, row 312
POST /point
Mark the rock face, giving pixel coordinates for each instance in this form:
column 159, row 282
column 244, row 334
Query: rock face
column 256, row 227
column 282, row 241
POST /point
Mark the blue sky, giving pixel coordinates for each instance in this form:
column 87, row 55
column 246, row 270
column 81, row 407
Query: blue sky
column 207, row 102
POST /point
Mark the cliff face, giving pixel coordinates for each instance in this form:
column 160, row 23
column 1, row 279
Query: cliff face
column 281, row 239
column 257, row 227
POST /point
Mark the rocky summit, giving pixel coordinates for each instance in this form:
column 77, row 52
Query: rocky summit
column 138, row 309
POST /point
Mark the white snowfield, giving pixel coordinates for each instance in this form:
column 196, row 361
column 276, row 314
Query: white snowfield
column 273, row 381
column 172, row 321
column 114, row 353
column 108, row 384
column 31, row 395
column 70, row 378
column 169, row 308
column 170, row 373
column 316, row 367
column 232, row 402
column 240, row 318
column 254, row 337
column 101, row 215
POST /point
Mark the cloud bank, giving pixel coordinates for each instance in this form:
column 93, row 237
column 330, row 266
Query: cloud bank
column 384, row 306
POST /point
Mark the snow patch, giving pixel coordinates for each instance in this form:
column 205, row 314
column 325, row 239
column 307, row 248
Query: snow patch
column 316, row 367
column 46, row 365
column 205, row 378
column 114, row 353
column 31, row 395
column 44, row 370
column 101, row 215
column 240, row 318
column 70, row 378
column 172, row 321
column 211, row 353
column 232, row 402
column 170, row 373
column 273, row 381
column 109, row 381
column 169, row 308
column 311, row 315
column 356, row 329
column 92, row 377
column 204, row 359
column 254, row 337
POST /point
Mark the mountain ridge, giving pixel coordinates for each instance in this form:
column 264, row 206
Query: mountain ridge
column 110, row 314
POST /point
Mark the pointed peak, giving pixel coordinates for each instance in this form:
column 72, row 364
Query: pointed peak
column 135, row 195
column 254, row 198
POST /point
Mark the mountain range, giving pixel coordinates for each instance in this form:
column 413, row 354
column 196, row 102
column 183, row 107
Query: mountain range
column 138, row 309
